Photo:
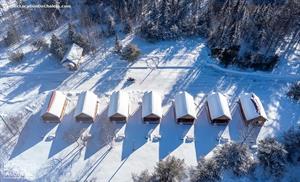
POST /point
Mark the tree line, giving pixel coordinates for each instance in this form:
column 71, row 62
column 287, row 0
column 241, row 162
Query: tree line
column 250, row 34
column 242, row 32
column 272, row 158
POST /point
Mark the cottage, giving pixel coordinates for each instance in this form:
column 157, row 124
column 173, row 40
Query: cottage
column 252, row 109
column 87, row 107
column 118, row 107
column 218, row 108
column 72, row 58
column 151, row 107
column 185, row 108
column 54, row 107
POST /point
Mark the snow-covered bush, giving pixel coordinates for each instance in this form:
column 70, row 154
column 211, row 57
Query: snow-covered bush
column 272, row 156
column 145, row 176
column 71, row 32
column 83, row 42
column 118, row 45
column 206, row 170
column 127, row 26
column 294, row 91
column 15, row 121
column 40, row 44
column 57, row 47
column 226, row 56
column 292, row 144
column 168, row 170
column 16, row 56
column 234, row 156
column 171, row 169
column 79, row 39
column 130, row 53
column 232, row 56
column 12, row 36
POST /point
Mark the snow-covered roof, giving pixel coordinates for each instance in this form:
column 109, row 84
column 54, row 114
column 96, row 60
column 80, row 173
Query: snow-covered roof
column 119, row 103
column 184, row 105
column 218, row 106
column 54, row 104
column 87, row 104
column 252, row 106
column 74, row 54
column 152, row 104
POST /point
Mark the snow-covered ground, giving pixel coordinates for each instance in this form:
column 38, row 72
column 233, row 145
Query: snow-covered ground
column 56, row 152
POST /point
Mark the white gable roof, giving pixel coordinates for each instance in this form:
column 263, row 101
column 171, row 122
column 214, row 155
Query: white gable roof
column 74, row 54
column 252, row 106
column 119, row 103
column 54, row 104
column 218, row 106
column 184, row 105
column 152, row 104
column 87, row 104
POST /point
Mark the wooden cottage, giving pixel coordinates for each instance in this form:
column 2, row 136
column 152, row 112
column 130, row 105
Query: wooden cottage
column 252, row 109
column 185, row 108
column 72, row 58
column 54, row 107
column 87, row 107
column 151, row 107
column 218, row 108
column 118, row 107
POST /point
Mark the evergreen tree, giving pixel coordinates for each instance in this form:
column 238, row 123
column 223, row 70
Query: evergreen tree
column 292, row 144
column 206, row 171
column 168, row 170
column 236, row 157
column 118, row 46
column 72, row 32
column 12, row 36
column 272, row 156
column 294, row 91
column 57, row 47
column 171, row 169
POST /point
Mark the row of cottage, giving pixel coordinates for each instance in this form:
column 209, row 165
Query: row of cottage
column 185, row 109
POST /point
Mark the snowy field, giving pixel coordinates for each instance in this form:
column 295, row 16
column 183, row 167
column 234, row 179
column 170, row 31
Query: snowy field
column 58, row 152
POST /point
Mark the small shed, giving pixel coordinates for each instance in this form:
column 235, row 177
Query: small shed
column 54, row 107
column 218, row 108
column 252, row 109
column 87, row 107
column 118, row 106
column 185, row 108
column 151, row 107
column 72, row 58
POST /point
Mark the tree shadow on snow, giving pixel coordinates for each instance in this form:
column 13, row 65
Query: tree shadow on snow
column 30, row 82
column 171, row 132
column 68, row 132
column 102, row 132
column 206, row 134
column 239, row 131
column 135, row 133
column 32, row 133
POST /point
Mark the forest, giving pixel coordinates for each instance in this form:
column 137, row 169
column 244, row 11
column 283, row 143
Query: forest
column 247, row 33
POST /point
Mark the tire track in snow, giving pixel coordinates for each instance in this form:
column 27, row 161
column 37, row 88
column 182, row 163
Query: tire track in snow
column 286, row 77
column 256, row 74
